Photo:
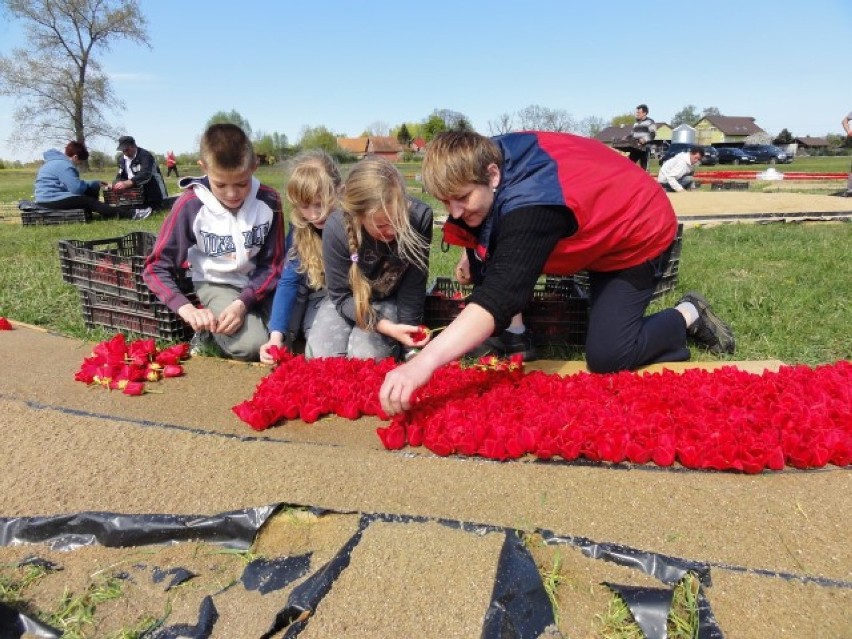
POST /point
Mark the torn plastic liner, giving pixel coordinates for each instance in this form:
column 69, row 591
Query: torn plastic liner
column 14, row 625
column 236, row 529
column 207, row 618
column 669, row 570
column 650, row 608
column 520, row 607
column 269, row 575
column 306, row 596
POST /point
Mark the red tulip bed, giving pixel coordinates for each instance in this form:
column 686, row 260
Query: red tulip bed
column 725, row 419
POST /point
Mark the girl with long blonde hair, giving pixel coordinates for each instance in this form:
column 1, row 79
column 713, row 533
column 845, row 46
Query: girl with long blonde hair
column 376, row 258
column 313, row 190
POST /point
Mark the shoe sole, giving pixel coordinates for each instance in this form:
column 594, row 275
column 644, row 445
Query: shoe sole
column 719, row 327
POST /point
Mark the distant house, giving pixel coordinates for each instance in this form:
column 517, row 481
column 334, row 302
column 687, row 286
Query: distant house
column 355, row 146
column 417, row 144
column 616, row 136
column 384, row 146
column 613, row 134
column 725, row 129
column 806, row 142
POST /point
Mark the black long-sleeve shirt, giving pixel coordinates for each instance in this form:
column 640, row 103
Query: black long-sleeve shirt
column 523, row 242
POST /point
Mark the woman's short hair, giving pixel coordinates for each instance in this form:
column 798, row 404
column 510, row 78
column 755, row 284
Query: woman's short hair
column 456, row 159
column 77, row 148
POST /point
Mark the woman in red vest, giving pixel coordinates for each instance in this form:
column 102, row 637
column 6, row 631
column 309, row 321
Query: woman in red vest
column 529, row 203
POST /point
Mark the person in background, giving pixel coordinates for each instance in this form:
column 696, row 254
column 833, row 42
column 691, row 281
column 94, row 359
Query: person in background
column 229, row 228
column 847, row 126
column 137, row 167
column 58, row 185
column 312, row 191
column 376, row 259
column 677, row 173
column 536, row 202
column 644, row 131
column 171, row 164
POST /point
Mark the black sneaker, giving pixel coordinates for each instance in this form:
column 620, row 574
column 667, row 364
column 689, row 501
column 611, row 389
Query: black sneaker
column 708, row 330
column 519, row 344
column 505, row 345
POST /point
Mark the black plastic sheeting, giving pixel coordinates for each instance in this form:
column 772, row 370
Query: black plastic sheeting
column 306, row 596
column 207, row 618
column 236, row 529
column 649, row 607
column 269, row 575
column 520, row 607
column 14, row 625
column 178, row 576
column 669, row 570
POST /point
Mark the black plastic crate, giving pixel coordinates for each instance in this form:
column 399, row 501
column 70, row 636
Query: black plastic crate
column 729, row 186
column 667, row 283
column 112, row 266
column 558, row 311
column 132, row 197
column 33, row 214
column 149, row 320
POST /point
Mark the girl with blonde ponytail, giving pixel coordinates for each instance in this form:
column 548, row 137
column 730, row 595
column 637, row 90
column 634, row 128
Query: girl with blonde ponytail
column 376, row 258
column 313, row 190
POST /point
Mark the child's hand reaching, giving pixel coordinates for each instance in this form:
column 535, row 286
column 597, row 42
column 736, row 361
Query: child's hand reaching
column 230, row 320
column 405, row 334
column 200, row 319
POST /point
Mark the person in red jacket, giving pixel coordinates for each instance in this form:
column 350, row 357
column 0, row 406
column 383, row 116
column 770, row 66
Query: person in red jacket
column 529, row 203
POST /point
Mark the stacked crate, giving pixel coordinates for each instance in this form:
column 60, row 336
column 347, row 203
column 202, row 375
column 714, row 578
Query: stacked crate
column 108, row 274
column 129, row 198
column 557, row 313
column 33, row 214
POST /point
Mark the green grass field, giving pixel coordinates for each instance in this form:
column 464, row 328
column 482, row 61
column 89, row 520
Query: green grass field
column 786, row 289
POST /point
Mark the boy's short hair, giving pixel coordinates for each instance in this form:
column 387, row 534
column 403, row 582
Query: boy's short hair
column 697, row 149
column 226, row 146
column 77, row 148
column 642, row 107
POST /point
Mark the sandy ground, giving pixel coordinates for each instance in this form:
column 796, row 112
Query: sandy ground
column 429, row 530
column 75, row 449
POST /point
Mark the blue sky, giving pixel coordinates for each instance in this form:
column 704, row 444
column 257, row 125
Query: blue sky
column 346, row 65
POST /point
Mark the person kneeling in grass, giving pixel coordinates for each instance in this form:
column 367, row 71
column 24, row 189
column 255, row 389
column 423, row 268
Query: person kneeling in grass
column 524, row 204
column 376, row 259
column 229, row 228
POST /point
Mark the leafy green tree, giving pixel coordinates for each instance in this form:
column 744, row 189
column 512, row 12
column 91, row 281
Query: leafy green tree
column 623, row 120
column 234, row 117
column 319, row 138
column 710, row 111
column 687, row 115
column 273, row 145
column 403, row 136
column 433, row 126
column 60, row 88
column 785, row 137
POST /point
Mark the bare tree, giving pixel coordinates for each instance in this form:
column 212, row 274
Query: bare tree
column 378, row 129
column 502, row 125
column 539, row 118
column 61, row 90
column 591, row 125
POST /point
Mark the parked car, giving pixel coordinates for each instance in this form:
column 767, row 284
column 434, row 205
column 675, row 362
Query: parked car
column 734, row 155
column 768, row 153
column 710, row 155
